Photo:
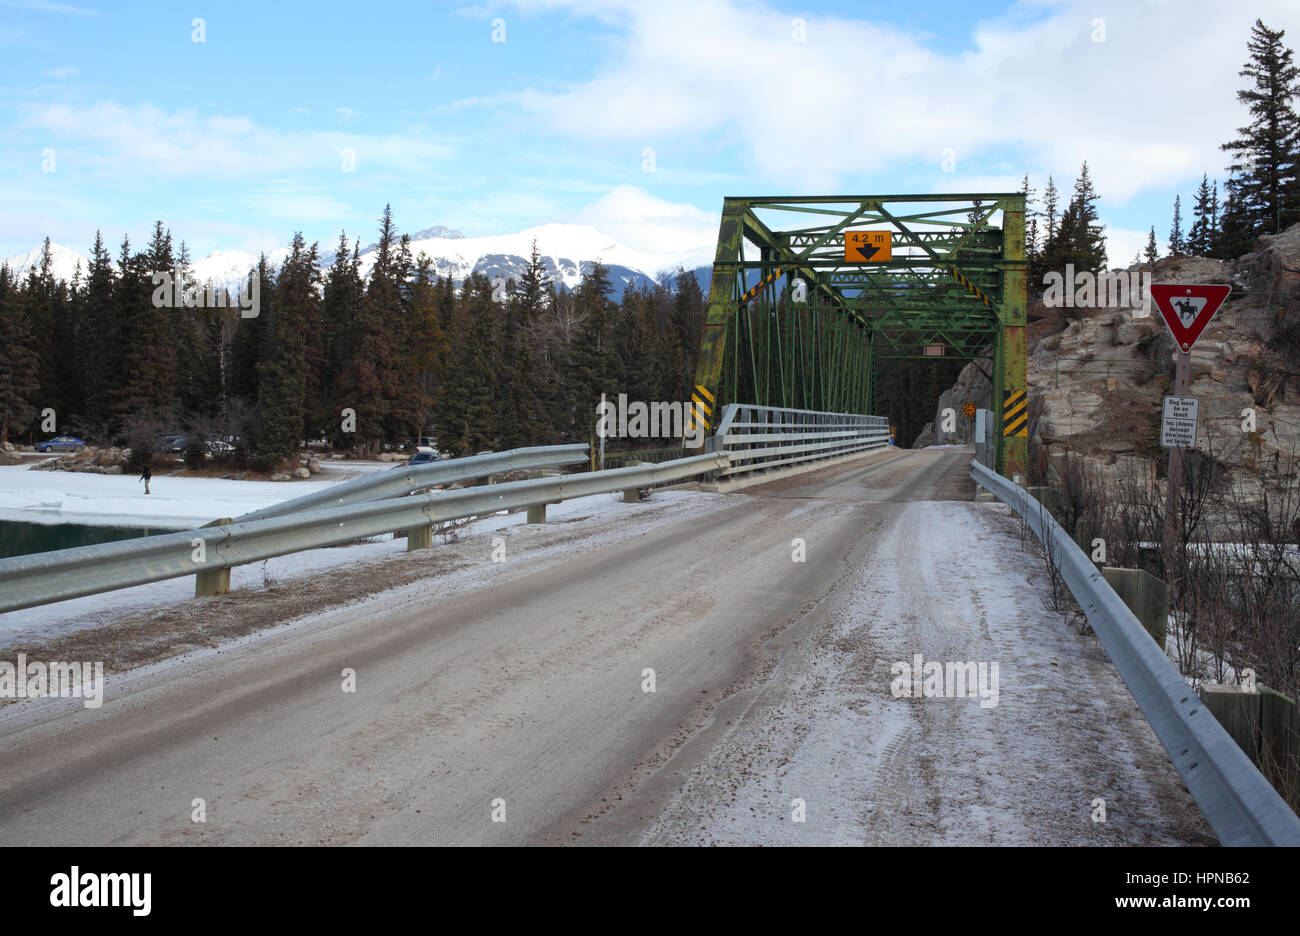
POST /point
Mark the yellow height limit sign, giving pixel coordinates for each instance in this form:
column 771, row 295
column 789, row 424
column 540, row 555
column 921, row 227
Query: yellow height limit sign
column 867, row 246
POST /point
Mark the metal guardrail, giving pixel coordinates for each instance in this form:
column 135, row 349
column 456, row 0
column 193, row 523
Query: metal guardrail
column 403, row 479
column 767, row 436
column 1240, row 805
column 42, row 578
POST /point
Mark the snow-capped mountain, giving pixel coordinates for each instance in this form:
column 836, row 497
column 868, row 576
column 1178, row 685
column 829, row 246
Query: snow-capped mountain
column 64, row 262
column 567, row 250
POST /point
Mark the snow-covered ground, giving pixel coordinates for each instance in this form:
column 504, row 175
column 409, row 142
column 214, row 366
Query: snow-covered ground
column 119, row 500
column 829, row 738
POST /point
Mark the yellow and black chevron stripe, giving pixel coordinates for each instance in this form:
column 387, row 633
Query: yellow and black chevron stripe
column 701, row 407
column 970, row 287
column 1015, row 413
column 761, row 285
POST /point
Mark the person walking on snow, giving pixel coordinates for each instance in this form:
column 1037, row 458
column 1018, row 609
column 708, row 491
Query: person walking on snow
column 145, row 476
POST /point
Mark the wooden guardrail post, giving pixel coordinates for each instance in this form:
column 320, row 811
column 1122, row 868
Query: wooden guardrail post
column 420, row 537
column 1279, row 742
column 213, row 581
column 1146, row 596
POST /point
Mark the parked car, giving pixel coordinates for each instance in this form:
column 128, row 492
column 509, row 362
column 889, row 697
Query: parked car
column 176, row 444
column 423, row 456
column 62, row 444
column 412, row 445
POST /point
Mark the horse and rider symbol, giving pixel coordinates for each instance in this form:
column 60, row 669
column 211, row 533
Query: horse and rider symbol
column 1188, row 309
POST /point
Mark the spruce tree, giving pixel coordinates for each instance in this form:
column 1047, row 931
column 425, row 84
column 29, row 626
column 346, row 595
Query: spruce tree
column 19, row 364
column 1266, row 152
column 592, row 362
column 282, row 364
column 1198, row 238
column 1089, row 239
column 340, row 332
column 1152, row 252
column 100, row 349
column 1176, row 246
column 1050, row 198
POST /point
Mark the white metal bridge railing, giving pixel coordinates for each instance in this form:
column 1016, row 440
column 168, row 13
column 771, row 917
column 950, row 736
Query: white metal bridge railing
column 756, row 437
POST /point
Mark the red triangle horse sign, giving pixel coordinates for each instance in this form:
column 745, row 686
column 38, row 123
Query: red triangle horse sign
column 1187, row 309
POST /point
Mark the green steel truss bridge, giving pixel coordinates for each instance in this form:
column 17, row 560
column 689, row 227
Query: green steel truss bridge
column 798, row 319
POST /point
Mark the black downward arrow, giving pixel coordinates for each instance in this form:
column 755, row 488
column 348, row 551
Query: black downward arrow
column 867, row 250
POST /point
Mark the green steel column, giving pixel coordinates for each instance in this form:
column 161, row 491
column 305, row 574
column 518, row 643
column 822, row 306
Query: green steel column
column 722, row 305
column 1015, row 399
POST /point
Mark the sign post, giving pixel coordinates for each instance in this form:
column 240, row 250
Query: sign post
column 1175, row 468
column 1186, row 309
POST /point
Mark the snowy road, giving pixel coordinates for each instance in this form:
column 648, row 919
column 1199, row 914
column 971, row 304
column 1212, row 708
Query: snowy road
column 507, row 702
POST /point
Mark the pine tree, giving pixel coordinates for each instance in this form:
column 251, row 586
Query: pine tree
column 369, row 376
column 1212, row 232
column 1266, row 153
column 687, row 322
column 592, row 362
column 1089, row 243
column 1032, row 244
column 1078, row 237
column 99, row 351
column 1198, row 238
column 149, row 389
column 282, row 363
column 1176, row 246
column 1152, row 251
column 467, row 407
column 1236, row 233
column 19, row 364
column 340, row 324
column 427, row 343
column 1049, row 209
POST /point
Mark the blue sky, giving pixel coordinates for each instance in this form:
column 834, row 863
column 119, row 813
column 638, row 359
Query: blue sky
column 634, row 117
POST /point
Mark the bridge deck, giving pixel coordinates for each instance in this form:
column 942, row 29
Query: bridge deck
column 524, row 680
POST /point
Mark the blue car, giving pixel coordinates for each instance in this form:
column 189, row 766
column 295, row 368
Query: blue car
column 62, row 444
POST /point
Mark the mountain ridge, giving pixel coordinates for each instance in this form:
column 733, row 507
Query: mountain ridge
column 568, row 251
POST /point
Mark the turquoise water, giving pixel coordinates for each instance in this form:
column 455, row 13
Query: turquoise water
column 20, row 539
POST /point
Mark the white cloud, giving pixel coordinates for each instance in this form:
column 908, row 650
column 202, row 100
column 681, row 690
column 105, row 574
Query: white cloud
column 646, row 222
column 63, row 71
column 1122, row 244
column 136, row 140
column 347, row 113
column 1149, row 106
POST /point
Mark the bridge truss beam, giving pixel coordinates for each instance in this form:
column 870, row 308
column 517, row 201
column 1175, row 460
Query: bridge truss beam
column 792, row 323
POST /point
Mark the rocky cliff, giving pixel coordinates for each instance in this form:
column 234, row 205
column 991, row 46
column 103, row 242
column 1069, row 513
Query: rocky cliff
column 1096, row 376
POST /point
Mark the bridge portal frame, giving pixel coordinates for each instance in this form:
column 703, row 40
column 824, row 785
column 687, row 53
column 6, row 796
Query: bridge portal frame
column 953, row 279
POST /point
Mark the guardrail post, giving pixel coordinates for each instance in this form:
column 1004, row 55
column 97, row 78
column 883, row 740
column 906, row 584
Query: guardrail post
column 536, row 513
column 420, row 537
column 1146, row 596
column 213, row 581
column 1279, row 742
column 1237, row 710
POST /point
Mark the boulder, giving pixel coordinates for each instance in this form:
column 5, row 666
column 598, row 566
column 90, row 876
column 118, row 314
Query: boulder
column 113, row 470
column 279, row 476
column 302, row 473
column 10, row 458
